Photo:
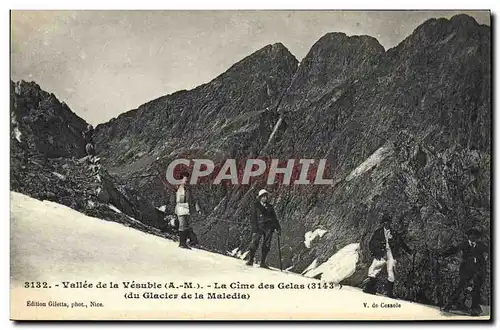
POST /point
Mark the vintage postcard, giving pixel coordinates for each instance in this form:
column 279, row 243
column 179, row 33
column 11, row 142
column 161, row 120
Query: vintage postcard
column 250, row 165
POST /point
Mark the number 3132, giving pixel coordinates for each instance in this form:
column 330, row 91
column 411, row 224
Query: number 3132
column 36, row 285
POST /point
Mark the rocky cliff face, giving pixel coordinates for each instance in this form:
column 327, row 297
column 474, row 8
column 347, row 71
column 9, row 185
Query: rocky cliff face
column 405, row 132
column 47, row 162
column 44, row 124
column 230, row 117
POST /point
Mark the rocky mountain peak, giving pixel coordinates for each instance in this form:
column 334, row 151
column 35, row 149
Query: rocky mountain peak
column 44, row 123
column 271, row 59
column 437, row 32
column 339, row 40
column 464, row 20
column 332, row 61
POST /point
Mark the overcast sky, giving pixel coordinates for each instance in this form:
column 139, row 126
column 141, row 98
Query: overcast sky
column 103, row 63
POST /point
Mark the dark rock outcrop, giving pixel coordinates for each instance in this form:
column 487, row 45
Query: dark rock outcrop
column 47, row 126
column 47, row 162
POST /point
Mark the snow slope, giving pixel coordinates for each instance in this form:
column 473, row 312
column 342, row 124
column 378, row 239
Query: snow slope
column 53, row 243
column 340, row 266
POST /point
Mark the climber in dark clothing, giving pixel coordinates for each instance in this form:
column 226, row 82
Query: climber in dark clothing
column 385, row 246
column 88, row 137
column 472, row 268
column 264, row 223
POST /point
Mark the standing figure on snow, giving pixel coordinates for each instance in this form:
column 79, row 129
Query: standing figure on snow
column 264, row 223
column 472, row 269
column 385, row 246
column 89, row 140
column 185, row 206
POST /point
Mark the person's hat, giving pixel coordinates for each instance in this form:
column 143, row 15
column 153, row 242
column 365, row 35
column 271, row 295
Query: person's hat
column 385, row 218
column 262, row 192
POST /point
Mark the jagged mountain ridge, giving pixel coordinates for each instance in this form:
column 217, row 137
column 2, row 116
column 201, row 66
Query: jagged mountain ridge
column 426, row 102
column 243, row 92
column 229, row 117
column 347, row 99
